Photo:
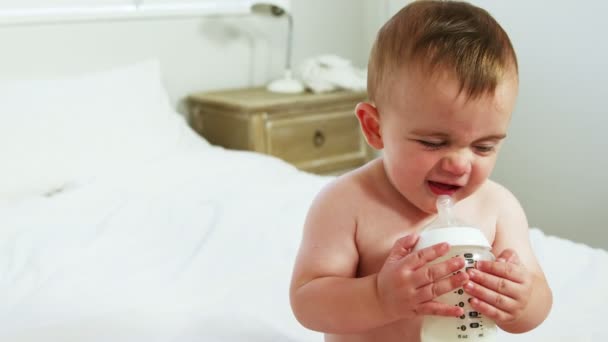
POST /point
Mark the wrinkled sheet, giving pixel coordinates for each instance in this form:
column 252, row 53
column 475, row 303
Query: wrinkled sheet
column 199, row 247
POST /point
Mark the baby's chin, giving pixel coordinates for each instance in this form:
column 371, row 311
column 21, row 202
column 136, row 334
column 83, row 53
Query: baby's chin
column 427, row 206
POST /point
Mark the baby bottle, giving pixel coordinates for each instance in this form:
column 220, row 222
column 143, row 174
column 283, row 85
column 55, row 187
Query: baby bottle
column 470, row 243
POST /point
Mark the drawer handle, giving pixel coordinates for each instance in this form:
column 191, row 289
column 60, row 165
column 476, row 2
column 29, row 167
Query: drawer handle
column 318, row 139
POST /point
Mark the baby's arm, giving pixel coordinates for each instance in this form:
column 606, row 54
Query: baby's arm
column 513, row 290
column 326, row 294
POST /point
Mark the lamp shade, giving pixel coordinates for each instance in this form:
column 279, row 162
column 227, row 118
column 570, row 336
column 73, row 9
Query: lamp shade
column 270, row 7
column 280, row 8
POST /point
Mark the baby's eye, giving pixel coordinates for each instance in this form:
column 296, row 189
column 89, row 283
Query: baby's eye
column 484, row 148
column 432, row 144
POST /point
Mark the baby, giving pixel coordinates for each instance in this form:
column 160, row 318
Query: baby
column 442, row 83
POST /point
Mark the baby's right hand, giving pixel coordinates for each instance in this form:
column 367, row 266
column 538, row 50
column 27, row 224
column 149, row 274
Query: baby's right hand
column 407, row 285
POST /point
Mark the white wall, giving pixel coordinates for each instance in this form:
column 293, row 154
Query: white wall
column 196, row 54
column 555, row 159
column 557, row 154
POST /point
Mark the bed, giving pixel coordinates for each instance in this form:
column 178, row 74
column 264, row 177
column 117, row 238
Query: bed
column 118, row 223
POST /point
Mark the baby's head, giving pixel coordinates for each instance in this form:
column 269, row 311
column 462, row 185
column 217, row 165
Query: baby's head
column 442, row 80
column 438, row 37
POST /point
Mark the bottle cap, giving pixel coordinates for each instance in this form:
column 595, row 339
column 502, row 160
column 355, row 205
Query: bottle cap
column 455, row 236
column 447, row 228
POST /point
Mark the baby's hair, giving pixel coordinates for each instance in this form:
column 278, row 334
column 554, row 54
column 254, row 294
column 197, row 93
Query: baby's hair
column 437, row 35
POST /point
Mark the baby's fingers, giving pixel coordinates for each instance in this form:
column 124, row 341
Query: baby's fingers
column 435, row 272
column 402, row 247
column 439, row 309
column 508, row 255
column 501, row 303
column 433, row 290
column 422, row 257
column 490, row 311
column 497, row 284
column 505, row 270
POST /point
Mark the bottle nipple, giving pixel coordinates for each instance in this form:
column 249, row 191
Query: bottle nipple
column 447, row 227
column 445, row 212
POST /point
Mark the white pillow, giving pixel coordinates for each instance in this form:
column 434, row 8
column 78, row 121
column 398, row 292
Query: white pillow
column 55, row 133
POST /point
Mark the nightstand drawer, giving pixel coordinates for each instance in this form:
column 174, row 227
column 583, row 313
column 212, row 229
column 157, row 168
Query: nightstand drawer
column 313, row 140
column 315, row 132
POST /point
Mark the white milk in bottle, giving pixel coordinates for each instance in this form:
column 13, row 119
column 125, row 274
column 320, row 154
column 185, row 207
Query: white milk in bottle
column 470, row 243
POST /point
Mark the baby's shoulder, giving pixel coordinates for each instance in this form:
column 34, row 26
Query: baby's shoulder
column 347, row 191
column 493, row 190
column 336, row 208
column 348, row 187
column 496, row 197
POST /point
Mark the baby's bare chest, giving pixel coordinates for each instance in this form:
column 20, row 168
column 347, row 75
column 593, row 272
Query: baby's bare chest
column 379, row 229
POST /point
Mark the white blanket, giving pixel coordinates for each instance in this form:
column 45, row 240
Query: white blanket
column 199, row 247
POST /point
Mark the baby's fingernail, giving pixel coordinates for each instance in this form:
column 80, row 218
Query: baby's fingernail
column 461, row 276
column 473, row 273
column 468, row 285
column 500, row 260
column 458, row 261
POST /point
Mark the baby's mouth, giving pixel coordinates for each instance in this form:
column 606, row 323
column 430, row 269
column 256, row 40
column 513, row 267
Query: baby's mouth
column 443, row 188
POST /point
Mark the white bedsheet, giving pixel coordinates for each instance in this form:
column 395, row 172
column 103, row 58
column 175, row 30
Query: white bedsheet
column 199, row 247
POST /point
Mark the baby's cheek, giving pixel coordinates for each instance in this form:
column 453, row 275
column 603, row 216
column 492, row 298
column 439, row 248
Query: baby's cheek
column 481, row 171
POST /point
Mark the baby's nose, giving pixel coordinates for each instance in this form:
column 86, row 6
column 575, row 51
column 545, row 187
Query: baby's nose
column 457, row 163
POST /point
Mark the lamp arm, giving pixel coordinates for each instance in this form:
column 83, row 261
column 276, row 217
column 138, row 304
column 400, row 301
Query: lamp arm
column 289, row 41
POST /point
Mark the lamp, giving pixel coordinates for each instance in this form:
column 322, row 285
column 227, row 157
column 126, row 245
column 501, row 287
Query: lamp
column 278, row 8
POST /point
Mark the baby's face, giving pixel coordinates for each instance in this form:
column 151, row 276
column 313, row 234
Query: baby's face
column 438, row 140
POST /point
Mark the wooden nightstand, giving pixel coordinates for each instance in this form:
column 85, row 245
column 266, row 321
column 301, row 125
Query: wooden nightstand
column 315, row 132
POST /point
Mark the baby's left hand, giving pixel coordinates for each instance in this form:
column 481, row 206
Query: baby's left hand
column 500, row 289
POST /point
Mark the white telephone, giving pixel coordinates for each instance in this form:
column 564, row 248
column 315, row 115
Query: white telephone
column 330, row 72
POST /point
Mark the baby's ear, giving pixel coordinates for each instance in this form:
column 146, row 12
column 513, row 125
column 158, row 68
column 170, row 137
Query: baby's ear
column 369, row 121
